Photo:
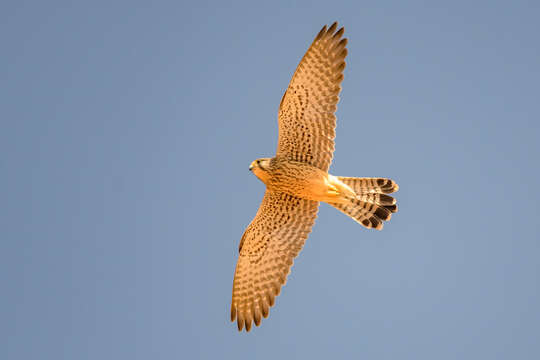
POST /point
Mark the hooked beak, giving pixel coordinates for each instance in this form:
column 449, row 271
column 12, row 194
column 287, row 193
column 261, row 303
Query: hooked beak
column 251, row 167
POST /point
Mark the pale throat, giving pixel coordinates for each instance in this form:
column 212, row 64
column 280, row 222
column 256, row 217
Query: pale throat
column 262, row 175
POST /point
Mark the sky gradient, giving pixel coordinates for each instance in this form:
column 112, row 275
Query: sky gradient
column 127, row 132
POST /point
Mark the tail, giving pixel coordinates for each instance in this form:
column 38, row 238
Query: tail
column 371, row 206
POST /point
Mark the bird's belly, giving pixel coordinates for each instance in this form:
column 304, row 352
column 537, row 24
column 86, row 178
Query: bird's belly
column 316, row 185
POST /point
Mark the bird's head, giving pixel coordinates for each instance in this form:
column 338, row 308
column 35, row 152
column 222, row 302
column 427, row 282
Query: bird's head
column 260, row 168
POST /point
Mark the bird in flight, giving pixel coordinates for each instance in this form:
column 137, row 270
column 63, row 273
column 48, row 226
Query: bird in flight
column 297, row 179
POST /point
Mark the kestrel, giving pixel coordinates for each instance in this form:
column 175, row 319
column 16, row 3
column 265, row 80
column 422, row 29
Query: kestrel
column 297, row 179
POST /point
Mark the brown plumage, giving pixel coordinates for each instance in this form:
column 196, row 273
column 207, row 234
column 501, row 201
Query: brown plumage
column 297, row 180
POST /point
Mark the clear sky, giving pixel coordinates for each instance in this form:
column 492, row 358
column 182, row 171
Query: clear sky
column 127, row 129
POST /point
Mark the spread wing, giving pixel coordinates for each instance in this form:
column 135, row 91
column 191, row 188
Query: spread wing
column 306, row 114
column 267, row 249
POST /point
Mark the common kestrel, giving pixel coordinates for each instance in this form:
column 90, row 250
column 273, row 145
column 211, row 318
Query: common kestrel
column 297, row 179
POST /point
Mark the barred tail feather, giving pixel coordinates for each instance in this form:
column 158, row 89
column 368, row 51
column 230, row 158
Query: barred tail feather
column 370, row 185
column 372, row 206
column 366, row 214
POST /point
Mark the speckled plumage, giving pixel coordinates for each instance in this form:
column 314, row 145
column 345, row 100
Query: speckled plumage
column 297, row 180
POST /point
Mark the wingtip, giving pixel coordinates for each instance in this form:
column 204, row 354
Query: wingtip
column 233, row 313
column 339, row 33
column 240, row 323
column 321, row 33
column 331, row 30
column 333, row 27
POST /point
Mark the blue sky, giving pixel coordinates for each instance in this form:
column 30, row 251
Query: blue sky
column 127, row 132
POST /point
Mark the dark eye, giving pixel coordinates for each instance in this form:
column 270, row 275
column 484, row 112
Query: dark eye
column 258, row 161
